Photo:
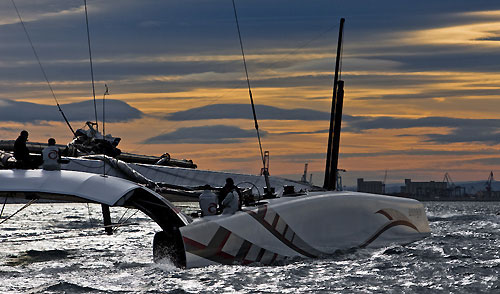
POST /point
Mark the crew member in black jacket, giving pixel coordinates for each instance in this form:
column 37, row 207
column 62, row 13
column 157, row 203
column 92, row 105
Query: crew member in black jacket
column 21, row 152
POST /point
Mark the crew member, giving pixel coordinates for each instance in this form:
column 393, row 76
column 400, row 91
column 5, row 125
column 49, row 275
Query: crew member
column 231, row 202
column 51, row 156
column 208, row 201
column 21, row 152
column 228, row 187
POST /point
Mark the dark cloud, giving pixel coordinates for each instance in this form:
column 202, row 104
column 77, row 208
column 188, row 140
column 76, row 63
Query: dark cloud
column 244, row 111
column 486, row 135
column 302, row 158
column 431, row 94
column 7, row 129
column 486, row 161
column 297, row 157
column 303, row 133
column 421, row 152
column 27, row 112
column 361, row 123
column 125, row 33
column 305, row 157
column 447, row 58
column 486, row 131
column 218, row 134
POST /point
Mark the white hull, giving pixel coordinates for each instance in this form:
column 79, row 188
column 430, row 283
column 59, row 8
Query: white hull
column 307, row 226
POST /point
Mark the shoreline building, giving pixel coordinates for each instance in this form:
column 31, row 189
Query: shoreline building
column 429, row 190
column 374, row 187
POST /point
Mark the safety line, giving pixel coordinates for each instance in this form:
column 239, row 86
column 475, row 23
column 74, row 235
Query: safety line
column 25, row 206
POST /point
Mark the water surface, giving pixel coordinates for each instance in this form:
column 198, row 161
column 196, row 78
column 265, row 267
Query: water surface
column 58, row 248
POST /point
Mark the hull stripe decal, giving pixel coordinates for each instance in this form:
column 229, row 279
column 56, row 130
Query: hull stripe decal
column 275, row 220
column 279, row 236
column 221, row 245
column 274, row 258
column 261, row 253
column 213, row 251
column 385, row 228
column 244, row 249
column 261, row 212
column 385, row 214
column 286, row 229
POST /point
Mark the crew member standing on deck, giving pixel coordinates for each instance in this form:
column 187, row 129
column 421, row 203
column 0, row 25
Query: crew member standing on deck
column 231, row 202
column 51, row 156
column 21, row 152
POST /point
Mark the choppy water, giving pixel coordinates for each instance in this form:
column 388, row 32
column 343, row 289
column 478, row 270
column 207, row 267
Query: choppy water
column 53, row 248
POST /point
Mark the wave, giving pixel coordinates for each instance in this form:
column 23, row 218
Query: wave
column 66, row 287
column 32, row 256
column 127, row 265
column 456, row 217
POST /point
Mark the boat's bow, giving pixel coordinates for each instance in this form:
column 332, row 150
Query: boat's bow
column 315, row 225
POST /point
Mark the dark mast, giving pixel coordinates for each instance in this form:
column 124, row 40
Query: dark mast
column 332, row 154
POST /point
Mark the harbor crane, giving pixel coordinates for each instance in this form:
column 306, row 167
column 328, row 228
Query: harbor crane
column 488, row 184
column 304, row 176
column 453, row 190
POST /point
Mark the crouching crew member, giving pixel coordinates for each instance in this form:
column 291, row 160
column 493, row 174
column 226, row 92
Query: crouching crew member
column 51, row 156
column 208, row 202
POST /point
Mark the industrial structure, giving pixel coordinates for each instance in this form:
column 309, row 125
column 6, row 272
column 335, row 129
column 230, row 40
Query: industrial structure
column 374, row 187
column 427, row 190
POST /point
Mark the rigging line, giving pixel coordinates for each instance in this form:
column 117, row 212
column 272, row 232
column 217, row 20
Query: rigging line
column 25, row 206
column 123, row 215
column 68, row 237
column 5, row 202
column 249, row 88
column 103, row 123
column 41, row 67
column 103, row 110
column 91, row 67
column 124, row 223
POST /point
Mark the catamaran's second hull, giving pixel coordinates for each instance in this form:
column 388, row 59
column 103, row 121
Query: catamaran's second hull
column 315, row 225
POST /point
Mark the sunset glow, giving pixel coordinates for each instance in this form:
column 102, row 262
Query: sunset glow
column 421, row 98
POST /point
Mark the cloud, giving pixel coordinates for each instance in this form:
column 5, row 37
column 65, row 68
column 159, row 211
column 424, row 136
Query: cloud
column 302, row 157
column 244, row 111
column 305, row 157
column 7, row 129
column 486, row 135
column 360, row 123
column 33, row 16
column 27, row 112
column 420, row 152
column 295, row 157
column 485, row 131
column 217, row 134
column 303, row 133
column 433, row 93
column 486, row 161
column 475, row 34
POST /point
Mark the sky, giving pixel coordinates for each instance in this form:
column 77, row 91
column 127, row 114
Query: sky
column 422, row 82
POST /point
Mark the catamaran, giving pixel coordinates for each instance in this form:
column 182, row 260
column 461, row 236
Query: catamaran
column 302, row 225
column 302, row 221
